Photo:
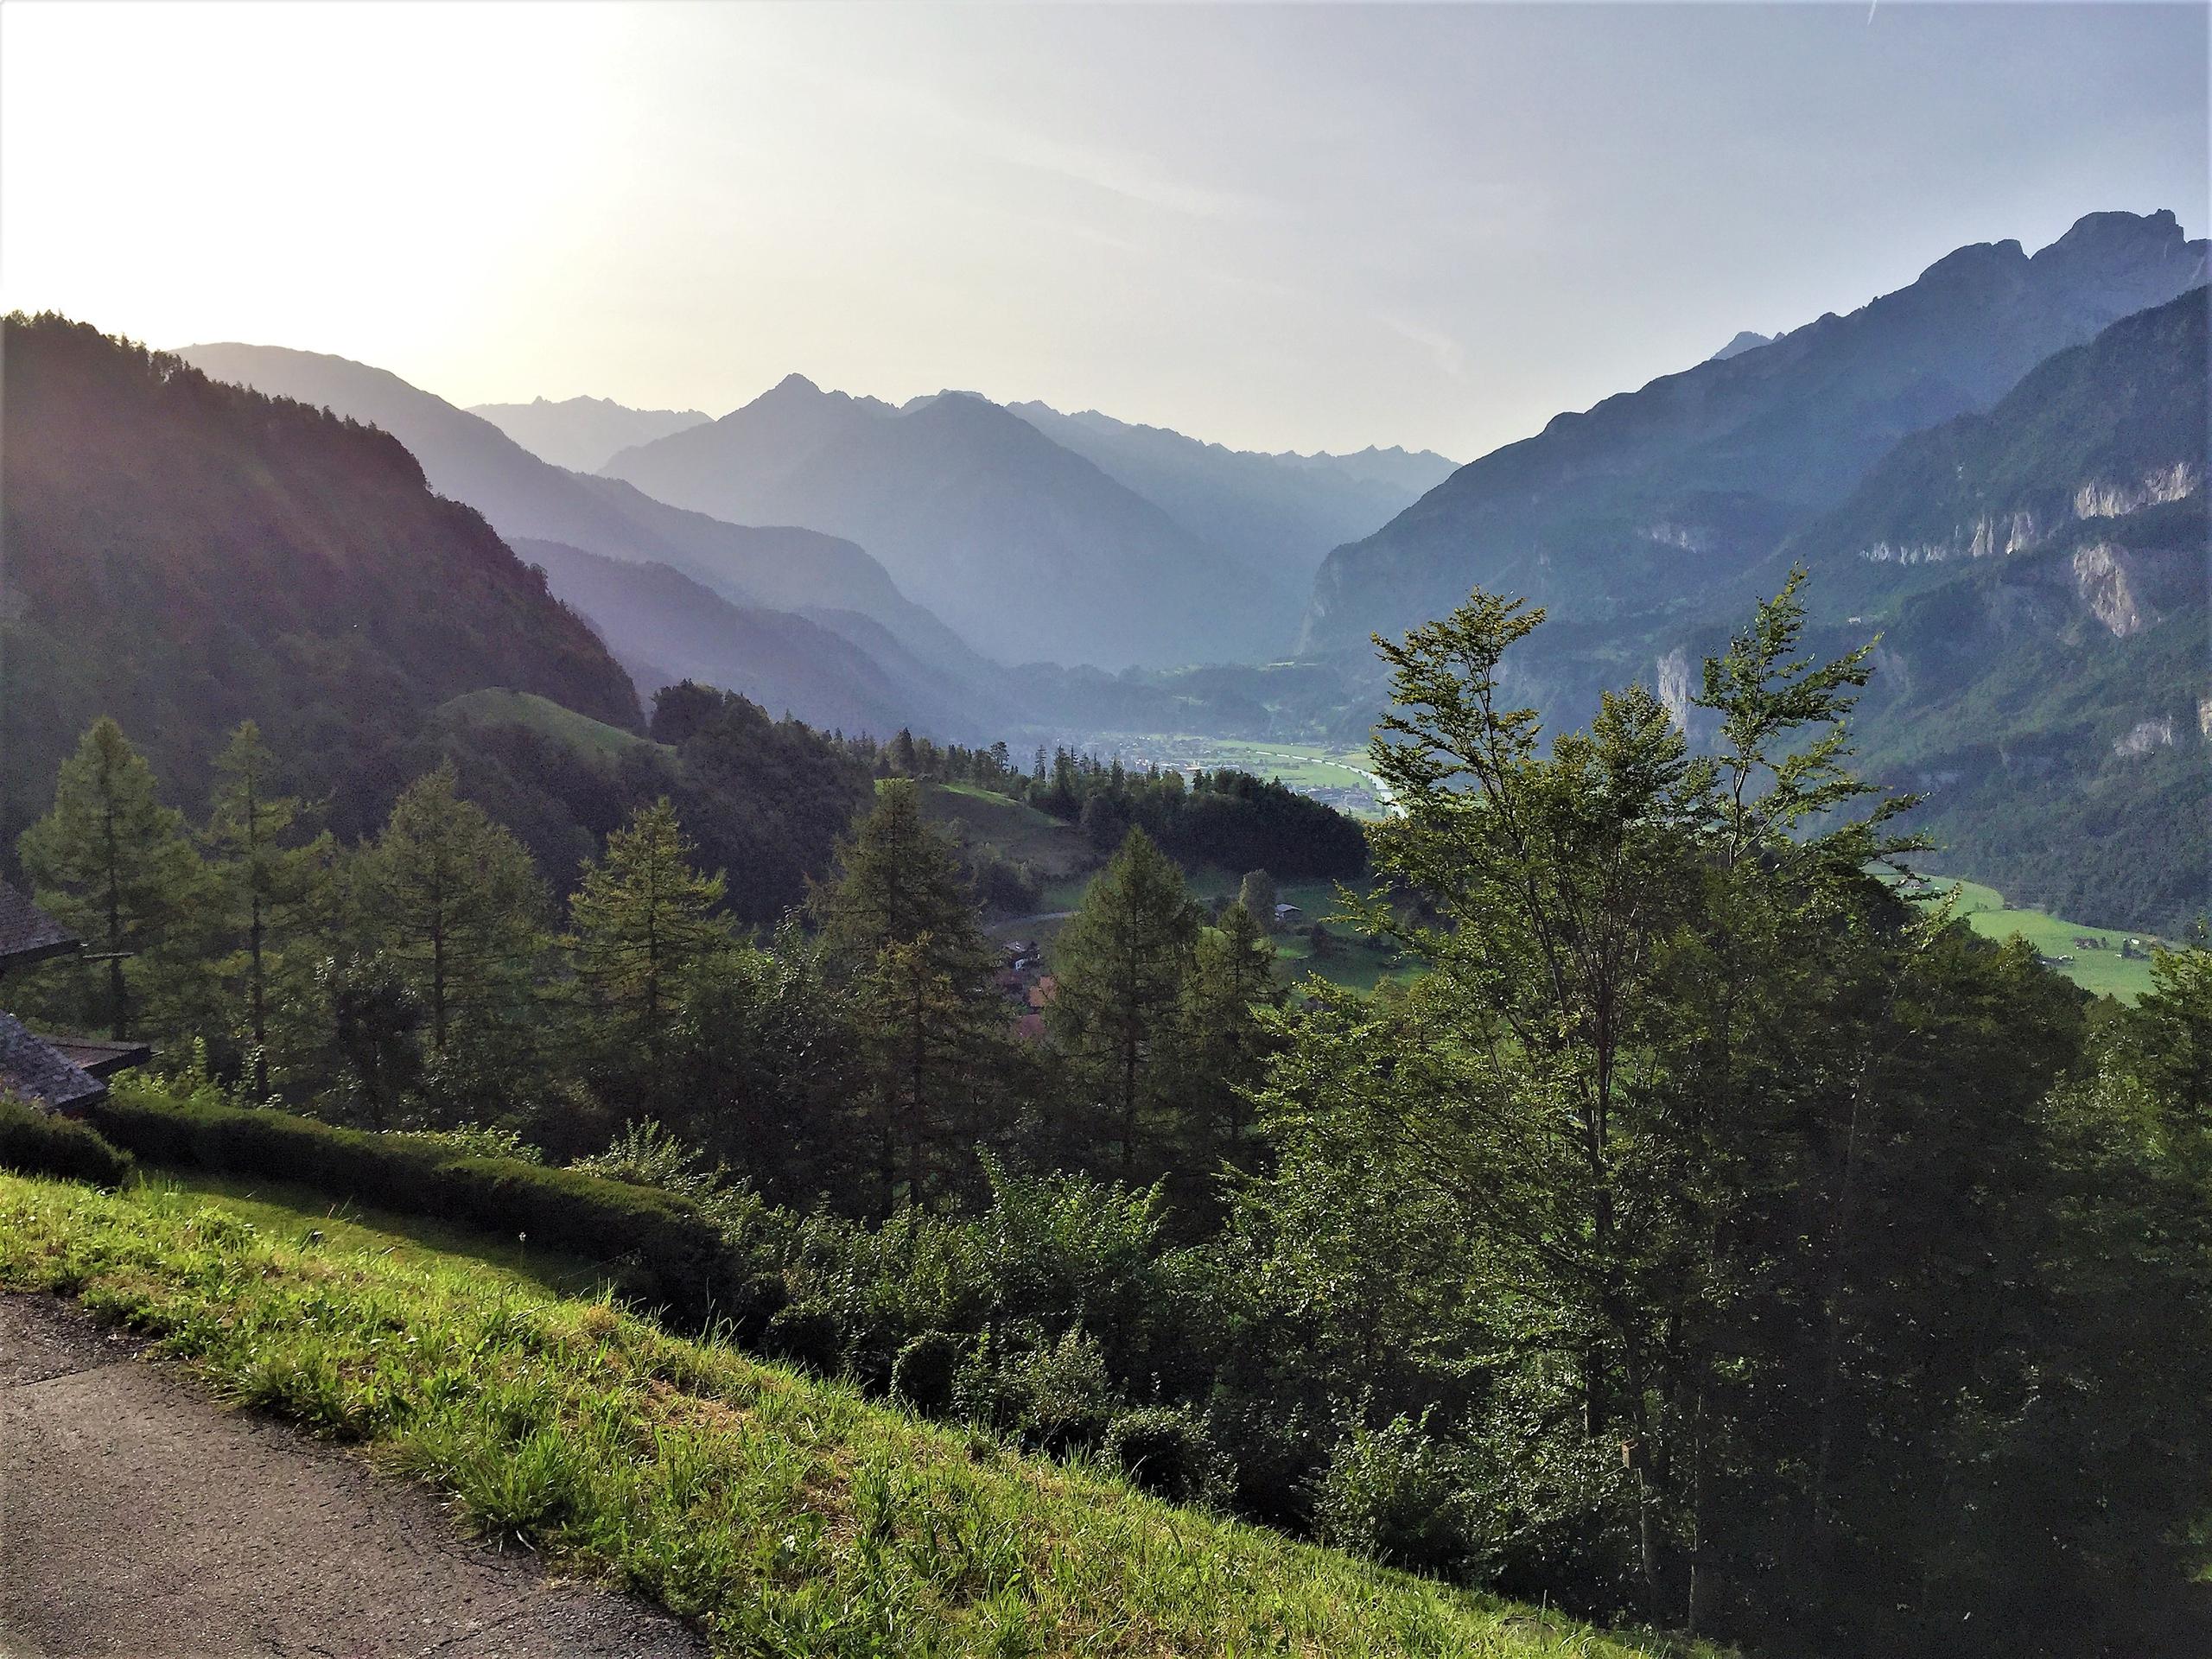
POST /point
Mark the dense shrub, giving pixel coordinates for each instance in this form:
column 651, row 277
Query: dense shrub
column 1397, row 1494
column 33, row 1142
column 1166, row 1449
column 1054, row 1396
column 922, row 1374
column 657, row 1246
column 806, row 1333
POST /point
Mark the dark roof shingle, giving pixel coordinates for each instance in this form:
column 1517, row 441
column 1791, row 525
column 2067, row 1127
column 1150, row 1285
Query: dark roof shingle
column 27, row 933
column 40, row 1072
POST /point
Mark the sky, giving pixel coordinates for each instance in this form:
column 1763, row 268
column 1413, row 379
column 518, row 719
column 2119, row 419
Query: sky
column 1270, row 226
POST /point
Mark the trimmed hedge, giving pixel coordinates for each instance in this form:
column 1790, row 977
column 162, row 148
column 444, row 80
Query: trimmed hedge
column 660, row 1250
column 33, row 1142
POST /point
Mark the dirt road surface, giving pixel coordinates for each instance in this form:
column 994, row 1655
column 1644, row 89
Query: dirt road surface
column 137, row 1518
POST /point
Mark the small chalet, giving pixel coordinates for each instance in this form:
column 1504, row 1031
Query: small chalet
column 57, row 1074
column 1286, row 914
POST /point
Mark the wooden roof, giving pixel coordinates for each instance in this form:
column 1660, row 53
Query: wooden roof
column 98, row 1055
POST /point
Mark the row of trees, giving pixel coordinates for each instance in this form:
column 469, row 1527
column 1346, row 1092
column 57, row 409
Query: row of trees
column 1225, row 817
column 865, row 1050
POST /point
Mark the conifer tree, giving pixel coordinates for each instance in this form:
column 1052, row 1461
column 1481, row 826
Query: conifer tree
column 901, row 926
column 645, row 921
column 113, row 863
column 1256, row 892
column 1226, row 1042
column 266, row 876
column 456, row 900
column 1121, row 965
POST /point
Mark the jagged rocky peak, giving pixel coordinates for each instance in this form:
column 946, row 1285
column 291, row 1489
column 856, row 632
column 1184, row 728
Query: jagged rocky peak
column 2123, row 251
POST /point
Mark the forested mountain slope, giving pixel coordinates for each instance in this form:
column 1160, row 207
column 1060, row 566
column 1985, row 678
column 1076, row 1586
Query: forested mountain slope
column 184, row 554
column 1024, row 547
column 468, row 458
column 2039, row 575
column 1654, row 498
column 664, row 627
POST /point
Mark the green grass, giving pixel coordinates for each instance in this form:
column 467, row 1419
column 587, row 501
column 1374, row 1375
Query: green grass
column 785, row 1515
column 287, row 1211
column 497, row 706
column 2097, row 967
column 977, row 815
column 1351, row 964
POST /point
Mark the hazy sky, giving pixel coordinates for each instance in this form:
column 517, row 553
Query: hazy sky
column 1274, row 226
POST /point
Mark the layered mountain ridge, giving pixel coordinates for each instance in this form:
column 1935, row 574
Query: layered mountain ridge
column 769, row 574
column 582, row 434
column 1659, row 496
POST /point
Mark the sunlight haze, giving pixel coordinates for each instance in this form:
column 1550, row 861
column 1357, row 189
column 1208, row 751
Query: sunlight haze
column 1273, row 228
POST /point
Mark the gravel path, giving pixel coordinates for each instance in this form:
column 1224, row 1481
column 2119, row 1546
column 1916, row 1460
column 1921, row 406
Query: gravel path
column 136, row 1518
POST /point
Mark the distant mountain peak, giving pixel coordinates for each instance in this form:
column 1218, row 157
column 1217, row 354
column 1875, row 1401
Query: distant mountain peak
column 795, row 382
column 1745, row 340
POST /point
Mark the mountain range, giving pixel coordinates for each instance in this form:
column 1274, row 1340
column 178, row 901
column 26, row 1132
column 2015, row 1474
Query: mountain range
column 1024, row 547
column 2038, row 577
column 789, row 660
column 1998, row 469
column 582, row 434
column 1665, row 496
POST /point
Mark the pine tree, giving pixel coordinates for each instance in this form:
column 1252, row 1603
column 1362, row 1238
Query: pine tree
column 645, row 921
column 113, row 863
column 266, row 876
column 456, row 901
column 1121, row 965
column 901, row 926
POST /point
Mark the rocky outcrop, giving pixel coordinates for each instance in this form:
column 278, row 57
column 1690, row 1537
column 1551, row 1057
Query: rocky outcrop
column 1675, row 687
column 2154, row 489
column 2105, row 578
column 2146, row 736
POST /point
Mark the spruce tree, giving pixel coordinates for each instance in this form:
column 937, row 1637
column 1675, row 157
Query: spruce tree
column 456, row 901
column 1121, row 965
column 1256, row 892
column 113, row 864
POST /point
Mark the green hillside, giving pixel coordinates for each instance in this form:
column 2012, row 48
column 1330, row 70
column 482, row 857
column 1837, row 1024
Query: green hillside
column 784, row 1515
column 499, row 706
column 979, row 816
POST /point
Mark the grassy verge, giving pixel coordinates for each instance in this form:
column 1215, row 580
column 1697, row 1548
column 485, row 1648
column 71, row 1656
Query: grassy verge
column 787, row 1517
column 289, row 1212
